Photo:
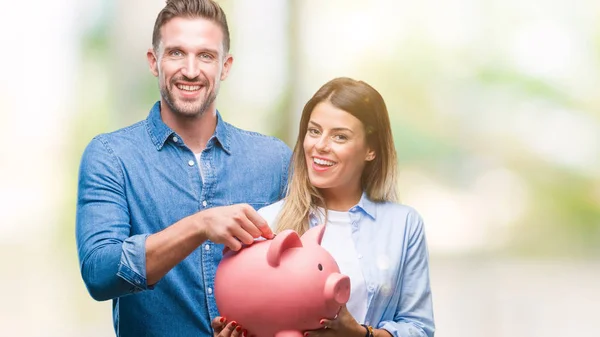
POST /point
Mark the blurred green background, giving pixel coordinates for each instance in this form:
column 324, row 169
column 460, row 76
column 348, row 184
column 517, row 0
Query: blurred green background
column 496, row 116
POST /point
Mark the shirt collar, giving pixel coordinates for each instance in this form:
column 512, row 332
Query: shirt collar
column 223, row 133
column 160, row 132
column 367, row 206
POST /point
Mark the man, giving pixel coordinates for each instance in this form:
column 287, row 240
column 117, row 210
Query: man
column 158, row 200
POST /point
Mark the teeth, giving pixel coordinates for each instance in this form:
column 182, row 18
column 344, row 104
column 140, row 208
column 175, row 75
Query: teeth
column 188, row 87
column 323, row 162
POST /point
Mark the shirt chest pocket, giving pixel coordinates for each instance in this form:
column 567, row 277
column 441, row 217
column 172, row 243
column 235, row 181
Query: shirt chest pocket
column 258, row 192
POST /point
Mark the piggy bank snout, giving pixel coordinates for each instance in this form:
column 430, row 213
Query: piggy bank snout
column 337, row 288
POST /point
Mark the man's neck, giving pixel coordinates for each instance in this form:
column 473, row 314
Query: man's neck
column 195, row 132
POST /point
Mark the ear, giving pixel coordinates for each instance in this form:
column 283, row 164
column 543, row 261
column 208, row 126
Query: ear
column 370, row 155
column 313, row 235
column 226, row 66
column 282, row 242
column 152, row 61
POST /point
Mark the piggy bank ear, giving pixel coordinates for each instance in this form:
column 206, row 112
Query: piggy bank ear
column 282, row 242
column 313, row 235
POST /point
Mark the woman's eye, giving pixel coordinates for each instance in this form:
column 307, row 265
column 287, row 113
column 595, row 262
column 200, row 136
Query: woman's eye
column 313, row 132
column 340, row 138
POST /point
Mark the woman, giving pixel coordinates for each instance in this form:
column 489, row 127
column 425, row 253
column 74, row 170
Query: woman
column 344, row 175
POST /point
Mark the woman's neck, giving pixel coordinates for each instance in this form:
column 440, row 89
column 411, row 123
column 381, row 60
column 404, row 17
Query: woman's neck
column 341, row 201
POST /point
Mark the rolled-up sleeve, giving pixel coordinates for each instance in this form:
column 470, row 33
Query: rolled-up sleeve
column 112, row 262
column 414, row 315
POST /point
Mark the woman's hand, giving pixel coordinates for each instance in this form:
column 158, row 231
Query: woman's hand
column 344, row 325
column 223, row 329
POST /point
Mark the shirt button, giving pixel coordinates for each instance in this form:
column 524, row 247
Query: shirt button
column 175, row 139
column 359, row 256
column 207, row 247
column 204, row 203
column 191, row 163
column 209, row 290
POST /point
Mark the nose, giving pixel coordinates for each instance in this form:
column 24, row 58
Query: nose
column 191, row 69
column 337, row 288
column 322, row 144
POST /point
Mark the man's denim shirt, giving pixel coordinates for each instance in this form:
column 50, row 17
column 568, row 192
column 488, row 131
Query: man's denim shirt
column 141, row 179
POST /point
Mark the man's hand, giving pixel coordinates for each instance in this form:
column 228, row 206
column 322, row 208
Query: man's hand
column 232, row 225
column 229, row 225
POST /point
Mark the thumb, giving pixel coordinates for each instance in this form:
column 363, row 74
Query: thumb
column 218, row 323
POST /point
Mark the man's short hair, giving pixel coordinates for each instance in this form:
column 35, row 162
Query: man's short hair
column 206, row 9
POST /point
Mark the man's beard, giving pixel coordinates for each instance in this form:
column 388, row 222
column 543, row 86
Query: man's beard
column 187, row 109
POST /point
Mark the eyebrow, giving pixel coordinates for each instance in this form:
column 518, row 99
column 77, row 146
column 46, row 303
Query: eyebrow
column 334, row 129
column 201, row 50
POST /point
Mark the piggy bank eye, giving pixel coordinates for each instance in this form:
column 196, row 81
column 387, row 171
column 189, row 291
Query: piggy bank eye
column 320, row 266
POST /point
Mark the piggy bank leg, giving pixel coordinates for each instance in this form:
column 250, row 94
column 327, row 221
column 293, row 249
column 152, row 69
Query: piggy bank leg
column 289, row 333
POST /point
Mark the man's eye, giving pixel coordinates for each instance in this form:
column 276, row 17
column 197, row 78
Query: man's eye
column 175, row 53
column 206, row 56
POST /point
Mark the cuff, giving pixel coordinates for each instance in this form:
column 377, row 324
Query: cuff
column 391, row 327
column 132, row 266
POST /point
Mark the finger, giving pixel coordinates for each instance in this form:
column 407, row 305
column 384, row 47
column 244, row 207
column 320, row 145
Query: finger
column 233, row 244
column 250, row 228
column 241, row 234
column 323, row 331
column 218, row 323
column 228, row 330
column 316, row 333
column 244, row 231
column 329, row 323
column 247, row 221
column 259, row 223
column 237, row 331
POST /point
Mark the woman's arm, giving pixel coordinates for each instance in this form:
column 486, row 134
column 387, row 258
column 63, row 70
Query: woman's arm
column 414, row 314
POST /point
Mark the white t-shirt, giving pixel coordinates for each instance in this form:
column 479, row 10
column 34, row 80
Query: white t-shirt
column 338, row 241
column 197, row 155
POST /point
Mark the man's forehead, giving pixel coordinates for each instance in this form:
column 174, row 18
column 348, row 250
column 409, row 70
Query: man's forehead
column 180, row 28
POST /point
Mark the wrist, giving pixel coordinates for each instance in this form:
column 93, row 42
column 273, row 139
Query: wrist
column 197, row 222
column 367, row 331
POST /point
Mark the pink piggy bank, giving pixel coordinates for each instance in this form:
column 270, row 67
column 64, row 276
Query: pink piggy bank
column 281, row 287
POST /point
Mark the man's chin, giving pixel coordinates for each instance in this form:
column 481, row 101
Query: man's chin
column 188, row 110
column 189, row 114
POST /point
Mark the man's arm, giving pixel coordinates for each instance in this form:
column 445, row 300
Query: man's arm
column 113, row 263
column 229, row 225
